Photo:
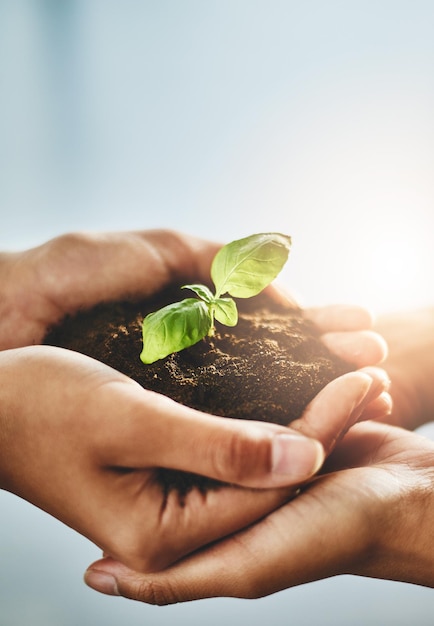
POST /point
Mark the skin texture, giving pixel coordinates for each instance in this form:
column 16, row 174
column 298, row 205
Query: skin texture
column 371, row 516
column 410, row 364
column 82, row 441
column 369, row 513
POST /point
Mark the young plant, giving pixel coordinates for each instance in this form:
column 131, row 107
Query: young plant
column 241, row 269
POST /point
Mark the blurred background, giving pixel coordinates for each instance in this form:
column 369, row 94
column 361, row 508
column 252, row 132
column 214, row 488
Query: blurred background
column 220, row 118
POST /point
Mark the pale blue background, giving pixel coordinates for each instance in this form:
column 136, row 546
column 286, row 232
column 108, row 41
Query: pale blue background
column 220, row 118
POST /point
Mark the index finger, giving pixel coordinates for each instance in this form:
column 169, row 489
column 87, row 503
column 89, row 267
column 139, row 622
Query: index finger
column 339, row 317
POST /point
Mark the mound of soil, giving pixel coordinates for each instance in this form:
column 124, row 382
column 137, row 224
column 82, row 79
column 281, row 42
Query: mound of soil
column 268, row 367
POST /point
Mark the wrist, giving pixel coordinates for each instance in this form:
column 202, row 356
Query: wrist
column 410, row 365
column 402, row 549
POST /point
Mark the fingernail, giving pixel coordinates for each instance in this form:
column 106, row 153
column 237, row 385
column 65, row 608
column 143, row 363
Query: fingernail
column 386, row 398
column 383, row 406
column 284, row 297
column 380, row 379
column 296, row 456
column 102, row 582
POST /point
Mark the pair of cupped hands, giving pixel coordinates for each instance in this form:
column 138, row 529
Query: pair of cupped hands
column 83, row 442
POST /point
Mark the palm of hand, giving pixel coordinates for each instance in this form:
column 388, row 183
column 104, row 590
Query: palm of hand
column 359, row 516
column 88, row 450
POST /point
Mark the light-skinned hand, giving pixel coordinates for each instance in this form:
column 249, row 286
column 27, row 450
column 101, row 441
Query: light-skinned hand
column 410, row 364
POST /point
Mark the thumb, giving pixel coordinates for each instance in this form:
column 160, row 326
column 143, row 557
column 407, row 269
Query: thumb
column 155, row 431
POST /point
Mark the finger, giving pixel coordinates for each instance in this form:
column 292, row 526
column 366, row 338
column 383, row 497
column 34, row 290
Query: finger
column 161, row 528
column 254, row 562
column 281, row 296
column 93, row 267
column 155, row 431
column 340, row 404
column 373, row 444
column 361, row 348
column 333, row 318
column 379, row 409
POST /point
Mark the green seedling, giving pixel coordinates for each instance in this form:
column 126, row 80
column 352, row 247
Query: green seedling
column 241, row 269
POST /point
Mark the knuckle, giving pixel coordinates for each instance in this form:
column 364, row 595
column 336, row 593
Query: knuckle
column 62, row 252
column 242, row 456
column 252, row 587
column 133, row 547
column 72, row 241
column 153, row 591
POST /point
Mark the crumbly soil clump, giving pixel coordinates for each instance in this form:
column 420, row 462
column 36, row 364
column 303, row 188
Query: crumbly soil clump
column 268, row 367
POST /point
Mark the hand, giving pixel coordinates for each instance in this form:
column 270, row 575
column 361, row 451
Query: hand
column 83, row 442
column 410, row 365
column 40, row 286
column 74, row 271
column 371, row 514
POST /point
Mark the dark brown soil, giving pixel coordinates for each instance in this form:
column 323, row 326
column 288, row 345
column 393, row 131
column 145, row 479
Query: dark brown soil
column 268, row 367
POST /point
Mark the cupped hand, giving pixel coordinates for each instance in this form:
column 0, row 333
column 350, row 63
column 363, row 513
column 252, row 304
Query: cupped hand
column 371, row 514
column 74, row 271
column 86, row 441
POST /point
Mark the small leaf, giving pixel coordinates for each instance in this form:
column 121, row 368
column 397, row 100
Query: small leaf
column 202, row 291
column 243, row 268
column 173, row 328
column 225, row 311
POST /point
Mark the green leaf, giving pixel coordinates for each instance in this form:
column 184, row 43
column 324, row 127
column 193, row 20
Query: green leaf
column 202, row 291
column 225, row 311
column 173, row 328
column 244, row 267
